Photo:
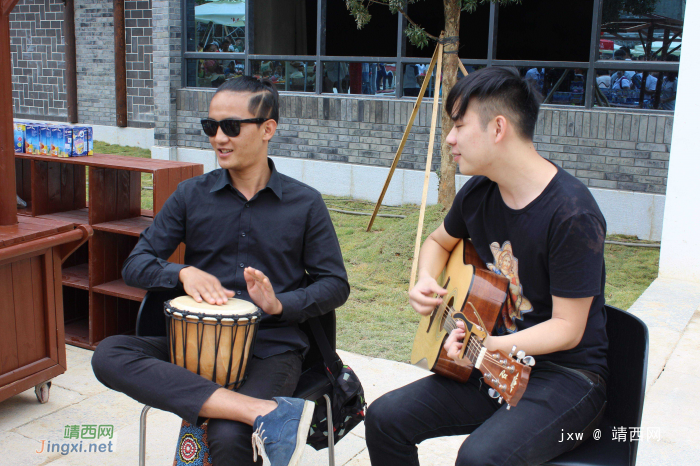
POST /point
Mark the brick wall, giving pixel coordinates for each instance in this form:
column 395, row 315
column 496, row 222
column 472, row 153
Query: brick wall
column 139, row 60
column 38, row 73
column 36, row 44
column 605, row 149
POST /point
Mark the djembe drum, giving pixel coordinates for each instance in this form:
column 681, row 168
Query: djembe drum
column 213, row 341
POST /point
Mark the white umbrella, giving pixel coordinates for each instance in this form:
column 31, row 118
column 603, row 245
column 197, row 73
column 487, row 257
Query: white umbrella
column 226, row 12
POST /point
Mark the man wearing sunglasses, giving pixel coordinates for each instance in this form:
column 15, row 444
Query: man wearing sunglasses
column 253, row 234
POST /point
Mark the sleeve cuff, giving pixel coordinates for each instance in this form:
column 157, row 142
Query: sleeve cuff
column 291, row 306
column 170, row 277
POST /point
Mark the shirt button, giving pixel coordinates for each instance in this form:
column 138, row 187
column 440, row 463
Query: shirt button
column 241, row 265
column 247, row 205
column 242, row 234
column 238, row 292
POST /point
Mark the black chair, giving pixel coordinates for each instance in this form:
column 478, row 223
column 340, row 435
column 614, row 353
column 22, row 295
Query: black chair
column 313, row 383
column 627, row 360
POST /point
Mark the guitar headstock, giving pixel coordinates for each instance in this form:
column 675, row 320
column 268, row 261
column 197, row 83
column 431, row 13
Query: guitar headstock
column 507, row 376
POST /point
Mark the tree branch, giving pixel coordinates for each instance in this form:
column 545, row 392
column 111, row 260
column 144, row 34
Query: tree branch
column 400, row 10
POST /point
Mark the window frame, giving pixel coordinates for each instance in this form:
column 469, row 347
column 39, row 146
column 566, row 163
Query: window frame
column 591, row 66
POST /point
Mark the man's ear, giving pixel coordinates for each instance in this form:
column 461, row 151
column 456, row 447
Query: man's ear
column 269, row 128
column 501, row 125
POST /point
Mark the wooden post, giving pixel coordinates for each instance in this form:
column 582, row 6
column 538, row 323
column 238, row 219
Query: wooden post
column 8, row 189
column 120, row 63
column 416, row 107
column 71, row 75
column 428, row 163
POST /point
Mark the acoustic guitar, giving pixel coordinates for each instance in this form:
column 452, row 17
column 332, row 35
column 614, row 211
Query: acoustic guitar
column 476, row 296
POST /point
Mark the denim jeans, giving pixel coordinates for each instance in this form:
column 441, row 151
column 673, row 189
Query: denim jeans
column 139, row 367
column 557, row 401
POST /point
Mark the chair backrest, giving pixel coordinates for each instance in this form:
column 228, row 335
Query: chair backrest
column 628, row 354
column 150, row 322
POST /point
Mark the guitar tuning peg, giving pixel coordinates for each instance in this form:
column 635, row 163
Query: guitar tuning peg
column 508, row 408
column 493, row 393
column 500, row 400
column 529, row 361
column 512, row 351
column 520, row 355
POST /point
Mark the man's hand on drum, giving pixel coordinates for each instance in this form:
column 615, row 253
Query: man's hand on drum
column 261, row 292
column 204, row 286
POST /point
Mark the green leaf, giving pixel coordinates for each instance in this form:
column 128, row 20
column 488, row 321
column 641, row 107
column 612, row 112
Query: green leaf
column 417, row 36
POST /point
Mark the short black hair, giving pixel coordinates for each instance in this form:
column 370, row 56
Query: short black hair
column 265, row 100
column 497, row 91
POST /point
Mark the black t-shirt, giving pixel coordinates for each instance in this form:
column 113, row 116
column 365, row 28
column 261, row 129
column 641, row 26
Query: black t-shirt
column 552, row 247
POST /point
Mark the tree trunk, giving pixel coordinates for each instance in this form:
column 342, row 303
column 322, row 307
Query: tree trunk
column 446, row 188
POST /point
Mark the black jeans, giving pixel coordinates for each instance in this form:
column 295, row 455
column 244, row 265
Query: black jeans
column 139, row 367
column 557, row 401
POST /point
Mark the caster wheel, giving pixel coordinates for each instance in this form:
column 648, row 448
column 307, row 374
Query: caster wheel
column 42, row 392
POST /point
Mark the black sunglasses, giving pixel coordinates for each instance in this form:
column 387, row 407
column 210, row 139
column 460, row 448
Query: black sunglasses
column 229, row 126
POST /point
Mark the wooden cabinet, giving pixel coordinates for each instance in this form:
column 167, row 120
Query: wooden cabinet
column 32, row 346
column 103, row 191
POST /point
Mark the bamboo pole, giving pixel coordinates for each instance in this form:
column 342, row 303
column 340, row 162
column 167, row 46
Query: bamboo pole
column 416, row 107
column 428, row 163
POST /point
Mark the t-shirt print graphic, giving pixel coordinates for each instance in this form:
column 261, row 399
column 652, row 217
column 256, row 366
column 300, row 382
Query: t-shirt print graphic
column 506, row 264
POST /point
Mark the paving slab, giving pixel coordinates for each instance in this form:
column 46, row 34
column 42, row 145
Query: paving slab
column 24, row 408
column 79, row 378
column 666, row 307
column 669, row 407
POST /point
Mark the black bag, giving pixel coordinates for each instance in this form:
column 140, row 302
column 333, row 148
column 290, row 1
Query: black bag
column 348, row 403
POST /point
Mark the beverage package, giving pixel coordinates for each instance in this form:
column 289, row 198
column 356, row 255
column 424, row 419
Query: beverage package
column 20, row 131
column 33, row 138
column 62, row 137
column 91, row 145
column 80, row 141
column 45, row 140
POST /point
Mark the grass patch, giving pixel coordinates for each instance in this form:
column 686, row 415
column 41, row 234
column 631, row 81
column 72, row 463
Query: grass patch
column 146, row 178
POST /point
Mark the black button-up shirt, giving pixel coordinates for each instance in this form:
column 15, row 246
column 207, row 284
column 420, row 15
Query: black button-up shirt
column 285, row 231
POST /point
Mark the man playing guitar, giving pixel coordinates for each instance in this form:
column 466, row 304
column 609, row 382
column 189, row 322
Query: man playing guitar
column 540, row 227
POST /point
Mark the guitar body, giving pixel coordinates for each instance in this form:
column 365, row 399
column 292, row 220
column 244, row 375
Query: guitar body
column 474, row 291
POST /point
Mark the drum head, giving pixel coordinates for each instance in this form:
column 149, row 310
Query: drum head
column 233, row 307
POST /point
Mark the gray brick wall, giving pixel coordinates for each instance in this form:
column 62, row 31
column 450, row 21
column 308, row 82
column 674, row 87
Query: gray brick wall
column 38, row 61
column 617, row 150
column 167, row 69
column 94, row 40
column 612, row 149
column 36, row 45
column 139, row 60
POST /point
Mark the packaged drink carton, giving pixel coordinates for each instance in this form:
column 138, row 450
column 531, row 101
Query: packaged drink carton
column 20, row 131
column 45, row 140
column 91, row 145
column 62, row 140
column 80, row 141
column 33, row 138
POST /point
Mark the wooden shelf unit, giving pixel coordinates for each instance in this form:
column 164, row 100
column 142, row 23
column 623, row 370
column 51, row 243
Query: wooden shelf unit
column 97, row 302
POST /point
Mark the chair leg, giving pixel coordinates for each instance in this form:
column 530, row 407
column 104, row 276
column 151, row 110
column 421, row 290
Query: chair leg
column 142, row 436
column 331, row 436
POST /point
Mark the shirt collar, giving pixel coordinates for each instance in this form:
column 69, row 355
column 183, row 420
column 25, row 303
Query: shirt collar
column 274, row 183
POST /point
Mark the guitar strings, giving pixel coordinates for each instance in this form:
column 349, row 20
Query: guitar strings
column 450, row 324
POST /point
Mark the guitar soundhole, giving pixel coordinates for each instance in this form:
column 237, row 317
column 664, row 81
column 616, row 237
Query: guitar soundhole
column 448, row 310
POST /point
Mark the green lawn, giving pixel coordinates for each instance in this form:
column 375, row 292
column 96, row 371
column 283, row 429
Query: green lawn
column 377, row 319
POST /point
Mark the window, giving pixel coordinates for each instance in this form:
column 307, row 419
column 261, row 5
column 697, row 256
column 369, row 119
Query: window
column 645, row 30
column 574, row 52
column 551, row 30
